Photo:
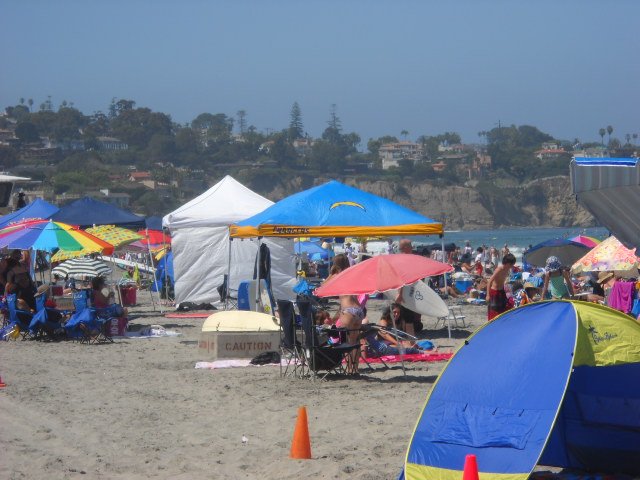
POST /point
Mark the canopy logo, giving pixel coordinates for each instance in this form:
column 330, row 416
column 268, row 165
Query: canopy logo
column 597, row 338
column 347, row 204
column 290, row 230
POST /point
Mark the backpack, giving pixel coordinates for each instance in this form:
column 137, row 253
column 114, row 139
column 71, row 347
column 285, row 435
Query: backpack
column 266, row 358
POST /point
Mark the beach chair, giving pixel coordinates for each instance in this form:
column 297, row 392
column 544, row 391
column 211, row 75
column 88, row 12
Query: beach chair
column 225, row 294
column 45, row 323
column 455, row 318
column 320, row 359
column 85, row 325
column 19, row 319
column 290, row 348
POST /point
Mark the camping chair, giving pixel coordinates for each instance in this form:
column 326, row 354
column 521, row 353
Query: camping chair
column 370, row 350
column 316, row 356
column 19, row 318
column 43, row 323
column 290, row 348
column 84, row 325
column 455, row 318
column 225, row 294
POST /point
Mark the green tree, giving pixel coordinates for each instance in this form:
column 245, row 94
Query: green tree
column 373, row 145
column 27, row 132
column 137, row 126
column 8, row 157
column 404, row 134
column 609, row 131
column 602, row 133
column 635, row 138
column 213, row 129
column 242, row 121
column 30, row 102
column 296, row 128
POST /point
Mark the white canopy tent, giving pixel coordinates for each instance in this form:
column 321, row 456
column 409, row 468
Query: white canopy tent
column 200, row 244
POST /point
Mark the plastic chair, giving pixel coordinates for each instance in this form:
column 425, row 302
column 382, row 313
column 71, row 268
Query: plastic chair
column 19, row 318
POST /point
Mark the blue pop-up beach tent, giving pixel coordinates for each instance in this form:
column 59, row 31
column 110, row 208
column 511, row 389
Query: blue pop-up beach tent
column 88, row 211
column 551, row 383
column 335, row 210
column 37, row 210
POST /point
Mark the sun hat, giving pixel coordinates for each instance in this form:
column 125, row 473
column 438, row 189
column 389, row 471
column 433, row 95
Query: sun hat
column 530, row 285
column 604, row 276
column 553, row 264
column 44, row 288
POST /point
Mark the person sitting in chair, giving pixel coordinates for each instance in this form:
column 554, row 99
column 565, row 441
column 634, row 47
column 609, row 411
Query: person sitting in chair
column 384, row 342
column 103, row 302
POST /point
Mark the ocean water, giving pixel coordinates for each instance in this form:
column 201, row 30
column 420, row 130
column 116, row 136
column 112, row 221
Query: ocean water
column 517, row 239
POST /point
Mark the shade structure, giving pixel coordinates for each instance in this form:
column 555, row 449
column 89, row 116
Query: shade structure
column 116, row 236
column 609, row 255
column 550, row 383
column 62, row 255
column 335, row 210
column 567, row 251
column 381, row 274
column 37, row 210
column 155, row 237
column 82, row 269
column 87, row 212
column 610, row 189
column 47, row 235
column 313, row 249
column 585, row 240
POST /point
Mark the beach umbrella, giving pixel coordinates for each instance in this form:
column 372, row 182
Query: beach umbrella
column 49, row 236
column 62, row 255
column 116, row 236
column 382, row 273
column 585, row 240
column 566, row 250
column 608, row 256
column 82, row 269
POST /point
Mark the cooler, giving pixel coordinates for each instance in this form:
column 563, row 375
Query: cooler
column 463, row 285
column 57, row 290
column 243, row 296
column 117, row 327
column 128, row 295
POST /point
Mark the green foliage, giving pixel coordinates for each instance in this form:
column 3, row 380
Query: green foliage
column 296, row 128
column 8, row 157
column 27, row 132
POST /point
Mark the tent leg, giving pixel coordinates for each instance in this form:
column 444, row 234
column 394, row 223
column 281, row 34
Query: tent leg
column 444, row 260
column 227, row 288
column 258, row 272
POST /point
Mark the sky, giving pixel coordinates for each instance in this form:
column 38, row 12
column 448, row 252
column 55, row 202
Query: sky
column 567, row 67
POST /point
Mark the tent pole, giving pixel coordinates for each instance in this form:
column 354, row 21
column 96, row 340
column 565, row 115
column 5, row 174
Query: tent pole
column 446, row 289
column 165, row 283
column 258, row 268
column 153, row 270
column 227, row 288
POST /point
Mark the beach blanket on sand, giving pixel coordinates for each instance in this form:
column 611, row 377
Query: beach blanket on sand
column 415, row 357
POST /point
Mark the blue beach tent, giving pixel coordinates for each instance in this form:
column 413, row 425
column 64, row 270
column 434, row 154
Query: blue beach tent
column 551, row 383
column 37, row 210
column 88, row 211
column 335, row 210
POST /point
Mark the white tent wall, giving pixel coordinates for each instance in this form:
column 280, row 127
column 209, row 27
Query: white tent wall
column 200, row 244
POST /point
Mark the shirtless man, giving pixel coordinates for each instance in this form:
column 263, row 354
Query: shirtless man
column 496, row 296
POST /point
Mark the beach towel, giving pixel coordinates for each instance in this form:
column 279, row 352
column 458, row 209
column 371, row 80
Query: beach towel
column 621, row 296
column 414, row 357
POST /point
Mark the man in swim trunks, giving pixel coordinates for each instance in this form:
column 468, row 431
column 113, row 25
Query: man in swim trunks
column 496, row 296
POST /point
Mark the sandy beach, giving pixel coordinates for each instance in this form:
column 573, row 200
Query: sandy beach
column 138, row 408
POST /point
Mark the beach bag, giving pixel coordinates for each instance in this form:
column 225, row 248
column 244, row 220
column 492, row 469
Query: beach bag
column 266, row 358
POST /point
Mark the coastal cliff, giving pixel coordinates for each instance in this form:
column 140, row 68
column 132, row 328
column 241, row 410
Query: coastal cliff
column 545, row 202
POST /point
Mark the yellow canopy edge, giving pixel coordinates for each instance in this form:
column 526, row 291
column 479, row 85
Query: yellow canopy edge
column 413, row 471
column 267, row 230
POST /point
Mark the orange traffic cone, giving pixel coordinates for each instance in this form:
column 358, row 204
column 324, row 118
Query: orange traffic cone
column 470, row 468
column 2, row 384
column 301, row 445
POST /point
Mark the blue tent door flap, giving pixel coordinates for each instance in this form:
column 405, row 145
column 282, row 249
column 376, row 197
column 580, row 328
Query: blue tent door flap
column 498, row 397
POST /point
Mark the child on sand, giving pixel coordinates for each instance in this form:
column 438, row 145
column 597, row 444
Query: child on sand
column 497, row 297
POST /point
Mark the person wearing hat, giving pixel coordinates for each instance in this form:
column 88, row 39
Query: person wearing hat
column 525, row 295
column 556, row 280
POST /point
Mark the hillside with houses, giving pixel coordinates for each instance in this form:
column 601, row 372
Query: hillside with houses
column 140, row 159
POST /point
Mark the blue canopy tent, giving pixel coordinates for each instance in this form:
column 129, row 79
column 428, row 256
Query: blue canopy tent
column 88, row 211
column 335, row 210
column 550, row 383
column 312, row 249
column 164, row 279
column 37, row 210
column 153, row 223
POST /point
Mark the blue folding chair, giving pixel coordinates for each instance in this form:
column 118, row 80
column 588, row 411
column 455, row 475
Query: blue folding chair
column 19, row 318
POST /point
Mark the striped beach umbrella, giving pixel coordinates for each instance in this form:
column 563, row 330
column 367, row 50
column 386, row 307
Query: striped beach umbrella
column 116, row 236
column 82, row 269
column 49, row 236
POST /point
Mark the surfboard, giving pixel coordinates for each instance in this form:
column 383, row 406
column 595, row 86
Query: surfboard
column 240, row 321
column 420, row 298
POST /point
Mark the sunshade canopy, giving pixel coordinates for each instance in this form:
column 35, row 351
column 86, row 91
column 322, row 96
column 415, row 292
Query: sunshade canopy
column 335, row 210
column 88, row 211
column 567, row 251
column 585, row 240
column 82, row 269
column 608, row 256
column 116, row 236
column 38, row 209
column 610, row 189
column 552, row 383
column 382, row 273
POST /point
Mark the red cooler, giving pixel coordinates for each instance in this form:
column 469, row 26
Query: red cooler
column 117, row 327
column 128, row 296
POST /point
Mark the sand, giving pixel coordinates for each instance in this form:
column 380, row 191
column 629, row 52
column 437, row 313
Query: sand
column 138, row 408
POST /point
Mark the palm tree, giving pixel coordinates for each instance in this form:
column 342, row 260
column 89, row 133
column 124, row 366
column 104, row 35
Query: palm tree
column 635, row 137
column 628, row 137
column 21, row 100
column 602, row 133
column 30, row 102
column 609, row 131
column 404, row 133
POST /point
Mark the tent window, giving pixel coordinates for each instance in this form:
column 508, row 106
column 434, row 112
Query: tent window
column 481, row 426
column 613, row 411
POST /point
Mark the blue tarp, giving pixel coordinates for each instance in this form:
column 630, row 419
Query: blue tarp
column 38, row 209
column 153, row 223
column 88, row 211
column 164, row 265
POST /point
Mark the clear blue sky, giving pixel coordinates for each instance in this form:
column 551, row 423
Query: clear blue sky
column 568, row 67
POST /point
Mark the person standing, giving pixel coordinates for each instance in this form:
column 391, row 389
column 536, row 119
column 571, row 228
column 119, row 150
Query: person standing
column 496, row 295
column 404, row 246
column 556, row 280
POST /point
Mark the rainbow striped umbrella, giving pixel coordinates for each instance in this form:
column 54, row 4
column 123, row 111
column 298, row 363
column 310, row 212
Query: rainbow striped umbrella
column 48, row 236
column 586, row 241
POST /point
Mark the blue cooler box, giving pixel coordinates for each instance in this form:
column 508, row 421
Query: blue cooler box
column 243, row 296
column 464, row 285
